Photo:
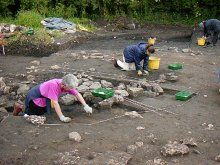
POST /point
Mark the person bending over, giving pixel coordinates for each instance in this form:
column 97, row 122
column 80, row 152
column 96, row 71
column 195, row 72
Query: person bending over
column 211, row 27
column 41, row 97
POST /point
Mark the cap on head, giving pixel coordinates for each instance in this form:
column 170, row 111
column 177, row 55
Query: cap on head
column 70, row 81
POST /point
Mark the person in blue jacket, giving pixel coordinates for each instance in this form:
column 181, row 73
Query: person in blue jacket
column 134, row 54
column 211, row 27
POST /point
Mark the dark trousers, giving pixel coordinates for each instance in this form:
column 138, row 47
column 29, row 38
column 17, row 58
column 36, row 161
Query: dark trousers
column 215, row 38
column 35, row 109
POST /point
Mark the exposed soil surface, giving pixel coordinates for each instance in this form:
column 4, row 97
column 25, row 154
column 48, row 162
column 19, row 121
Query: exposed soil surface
column 24, row 143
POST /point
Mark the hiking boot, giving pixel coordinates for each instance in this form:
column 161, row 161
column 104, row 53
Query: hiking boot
column 18, row 107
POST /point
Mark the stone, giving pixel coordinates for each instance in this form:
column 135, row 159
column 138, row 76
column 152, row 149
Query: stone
column 157, row 88
column 34, row 119
column 3, row 110
column 147, row 86
column 35, row 62
column 174, row 148
column 189, row 142
column 87, row 83
column 171, row 77
column 210, row 127
column 75, row 136
column 55, row 67
column 79, row 76
column 95, row 85
column 123, row 93
column 121, row 86
column 96, row 57
column 92, row 69
column 111, row 158
column 67, row 99
column 106, row 104
column 217, row 158
column 139, row 144
column 30, row 78
column 90, row 78
column 106, row 84
column 3, row 87
column 71, row 157
column 133, row 114
column 82, row 88
column 186, row 50
column 156, row 161
column 23, row 89
column 131, row 149
column 150, row 94
column 140, row 128
column 173, row 49
column 3, row 101
column 134, row 92
column 118, row 99
column 88, row 96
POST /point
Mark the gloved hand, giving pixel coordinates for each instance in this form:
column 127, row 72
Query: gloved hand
column 146, row 73
column 65, row 119
column 139, row 73
column 88, row 109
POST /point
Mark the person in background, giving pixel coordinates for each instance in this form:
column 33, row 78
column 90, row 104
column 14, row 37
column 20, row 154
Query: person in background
column 134, row 54
column 41, row 97
column 211, row 27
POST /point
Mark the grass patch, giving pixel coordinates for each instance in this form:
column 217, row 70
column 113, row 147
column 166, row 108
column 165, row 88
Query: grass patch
column 30, row 19
column 84, row 24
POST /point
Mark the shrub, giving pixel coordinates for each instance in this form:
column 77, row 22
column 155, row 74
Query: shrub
column 29, row 18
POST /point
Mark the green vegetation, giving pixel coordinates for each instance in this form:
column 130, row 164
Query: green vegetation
column 159, row 11
column 29, row 19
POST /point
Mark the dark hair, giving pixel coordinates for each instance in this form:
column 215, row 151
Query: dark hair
column 150, row 48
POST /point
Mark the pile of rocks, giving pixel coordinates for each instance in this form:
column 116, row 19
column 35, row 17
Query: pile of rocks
column 36, row 120
column 10, row 28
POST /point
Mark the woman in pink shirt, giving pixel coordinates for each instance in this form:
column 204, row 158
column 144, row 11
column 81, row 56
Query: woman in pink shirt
column 40, row 98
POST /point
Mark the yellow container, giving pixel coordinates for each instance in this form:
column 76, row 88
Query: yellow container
column 154, row 63
column 201, row 41
column 151, row 41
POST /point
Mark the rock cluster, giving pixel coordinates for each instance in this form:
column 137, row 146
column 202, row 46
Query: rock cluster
column 36, row 120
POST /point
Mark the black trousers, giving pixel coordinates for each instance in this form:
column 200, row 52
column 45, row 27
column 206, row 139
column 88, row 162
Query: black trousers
column 35, row 109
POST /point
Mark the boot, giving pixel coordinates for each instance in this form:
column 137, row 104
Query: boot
column 18, row 107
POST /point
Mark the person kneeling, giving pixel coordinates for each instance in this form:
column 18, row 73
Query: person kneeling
column 133, row 55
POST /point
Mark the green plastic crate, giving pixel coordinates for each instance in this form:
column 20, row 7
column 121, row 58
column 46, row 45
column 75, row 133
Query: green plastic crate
column 103, row 93
column 183, row 95
column 175, row 66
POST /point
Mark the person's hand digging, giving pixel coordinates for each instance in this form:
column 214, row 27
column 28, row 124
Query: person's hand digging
column 65, row 119
column 88, row 109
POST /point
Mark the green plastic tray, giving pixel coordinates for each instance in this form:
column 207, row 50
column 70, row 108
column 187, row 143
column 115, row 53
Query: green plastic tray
column 175, row 66
column 183, row 95
column 103, row 93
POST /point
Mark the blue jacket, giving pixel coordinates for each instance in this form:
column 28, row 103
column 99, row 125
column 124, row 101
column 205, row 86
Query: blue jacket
column 137, row 53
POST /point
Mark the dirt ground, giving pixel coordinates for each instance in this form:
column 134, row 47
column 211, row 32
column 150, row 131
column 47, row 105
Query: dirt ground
column 24, row 143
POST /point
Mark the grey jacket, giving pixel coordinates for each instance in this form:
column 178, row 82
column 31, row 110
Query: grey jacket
column 211, row 26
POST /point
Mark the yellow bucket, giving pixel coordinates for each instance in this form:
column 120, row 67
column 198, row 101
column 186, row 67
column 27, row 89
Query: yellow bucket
column 154, row 63
column 201, row 41
column 151, row 41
